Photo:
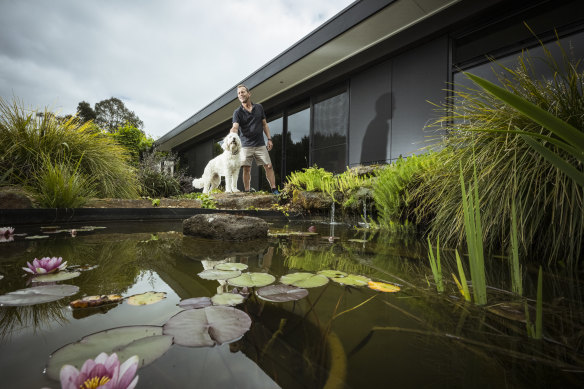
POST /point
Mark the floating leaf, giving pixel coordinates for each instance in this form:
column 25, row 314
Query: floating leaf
column 332, row 273
column 195, row 303
column 227, row 299
column 352, row 280
column 212, row 274
column 304, row 280
column 281, row 293
column 383, row 287
column 147, row 342
column 358, row 240
column 252, row 280
column 231, row 266
column 146, row 298
column 305, row 234
column 37, row 295
column 208, row 326
column 55, row 277
column 95, row 301
column 36, row 237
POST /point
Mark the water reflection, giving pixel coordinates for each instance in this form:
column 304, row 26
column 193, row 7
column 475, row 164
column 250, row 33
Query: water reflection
column 355, row 336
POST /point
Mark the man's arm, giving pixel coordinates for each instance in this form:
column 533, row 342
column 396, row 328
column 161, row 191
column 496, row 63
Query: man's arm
column 267, row 132
column 235, row 128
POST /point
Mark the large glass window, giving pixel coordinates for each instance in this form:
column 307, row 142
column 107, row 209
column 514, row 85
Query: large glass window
column 297, row 139
column 329, row 150
column 276, row 129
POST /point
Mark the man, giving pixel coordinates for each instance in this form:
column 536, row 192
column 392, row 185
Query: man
column 249, row 120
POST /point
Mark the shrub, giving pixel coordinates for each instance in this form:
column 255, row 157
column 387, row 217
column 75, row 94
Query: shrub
column 31, row 141
column 549, row 204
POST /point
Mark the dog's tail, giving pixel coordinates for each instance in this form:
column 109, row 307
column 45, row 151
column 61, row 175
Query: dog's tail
column 198, row 183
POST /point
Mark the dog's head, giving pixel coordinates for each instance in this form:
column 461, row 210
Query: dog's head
column 232, row 143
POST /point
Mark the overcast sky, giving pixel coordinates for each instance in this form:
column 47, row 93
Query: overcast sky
column 165, row 59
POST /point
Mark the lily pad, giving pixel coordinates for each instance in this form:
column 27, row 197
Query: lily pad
column 383, row 287
column 195, row 303
column 281, row 293
column 208, row 326
column 230, row 299
column 36, row 237
column 252, row 280
column 148, row 342
column 95, row 301
column 332, row 273
column 212, row 274
column 352, row 280
column 37, row 295
column 146, row 298
column 231, row 266
column 357, row 240
column 304, row 280
column 55, row 277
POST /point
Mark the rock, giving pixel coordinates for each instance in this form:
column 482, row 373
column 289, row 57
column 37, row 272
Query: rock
column 244, row 201
column 312, row 201
column 225, row 227
column 15, row 198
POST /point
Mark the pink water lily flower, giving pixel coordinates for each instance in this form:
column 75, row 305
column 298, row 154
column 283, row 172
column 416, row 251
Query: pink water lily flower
column 103, row 372
column 6, row 231
column 45, row 265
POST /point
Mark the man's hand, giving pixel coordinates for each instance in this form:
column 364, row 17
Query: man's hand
column 270, row 145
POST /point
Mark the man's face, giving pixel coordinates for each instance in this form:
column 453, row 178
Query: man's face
column 243, row 95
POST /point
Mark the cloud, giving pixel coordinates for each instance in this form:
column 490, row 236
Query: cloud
column 165, row 59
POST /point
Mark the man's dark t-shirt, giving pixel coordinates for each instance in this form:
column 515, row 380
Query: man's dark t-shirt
column 251, row 130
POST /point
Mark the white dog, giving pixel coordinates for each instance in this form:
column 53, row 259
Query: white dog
column 227, row 164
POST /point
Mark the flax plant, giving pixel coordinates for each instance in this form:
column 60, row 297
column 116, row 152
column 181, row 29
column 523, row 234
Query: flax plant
column 549, row 204
column 28, row 139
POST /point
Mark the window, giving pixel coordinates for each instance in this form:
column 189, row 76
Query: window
column 297, row 139
column 329, row 150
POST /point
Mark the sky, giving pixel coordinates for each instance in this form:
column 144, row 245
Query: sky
column 165, row 59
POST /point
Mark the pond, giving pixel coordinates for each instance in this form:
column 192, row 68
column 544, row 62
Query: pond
column 337, row 336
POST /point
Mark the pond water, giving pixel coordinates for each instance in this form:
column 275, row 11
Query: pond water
column 336, row 337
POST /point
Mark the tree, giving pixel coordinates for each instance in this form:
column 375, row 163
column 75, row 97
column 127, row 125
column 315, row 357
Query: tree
column 134, row 140
column 112, row 114
column 85, row 112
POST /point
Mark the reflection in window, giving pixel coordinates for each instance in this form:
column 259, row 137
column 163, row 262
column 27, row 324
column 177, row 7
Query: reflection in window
column 330, row 133
column 276, row 128
column 297, row 141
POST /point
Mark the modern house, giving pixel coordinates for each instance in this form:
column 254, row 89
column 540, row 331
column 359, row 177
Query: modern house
column 360, row 88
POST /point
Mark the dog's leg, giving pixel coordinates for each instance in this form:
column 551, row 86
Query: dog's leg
column 234, row 178
column 228, row 185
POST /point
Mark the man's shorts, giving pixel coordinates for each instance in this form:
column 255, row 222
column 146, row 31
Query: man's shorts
column 259, row 153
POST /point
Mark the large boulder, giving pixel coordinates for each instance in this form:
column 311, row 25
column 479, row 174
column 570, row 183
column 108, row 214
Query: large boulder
column 15, row 198
column 225, row 227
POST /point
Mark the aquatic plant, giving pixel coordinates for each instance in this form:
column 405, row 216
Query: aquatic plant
column 45, row 265
column 549, row 203
column 6, row 231
column 435, row 265
column 105, row 371
column 535, row 330
column 474, row 238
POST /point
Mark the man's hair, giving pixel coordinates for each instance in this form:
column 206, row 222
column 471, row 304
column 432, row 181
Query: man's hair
column 242, row 86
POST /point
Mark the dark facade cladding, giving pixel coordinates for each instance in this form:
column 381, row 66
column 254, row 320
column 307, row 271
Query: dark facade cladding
column 375, row 104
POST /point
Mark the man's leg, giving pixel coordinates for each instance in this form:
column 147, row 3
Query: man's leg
column 270, row 175
column 246, row 177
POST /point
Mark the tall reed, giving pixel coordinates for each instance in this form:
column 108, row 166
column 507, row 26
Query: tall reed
column 435, row 265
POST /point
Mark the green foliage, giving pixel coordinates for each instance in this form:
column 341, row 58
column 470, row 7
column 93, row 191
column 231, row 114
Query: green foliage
column 549, row 203
column 474, row 238
column 31, row 141
column 61, row 185
column 112, row 113
column 435, row 265
column 157, row 183
column 535, row 330
column 462, row 284
column 85, row 112
column 312, row 179
column 516, row 273
column 207, row 201
column 134, row 140
column 392, row 188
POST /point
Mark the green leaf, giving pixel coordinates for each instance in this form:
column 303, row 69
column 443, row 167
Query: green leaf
column 55, row 277
column 207, row 326
column 353, row 280
column 37, row 295
column 147, row 342
column 281, row 293
column 230, row 299
column 214, row 274
column 304, row 280
column 332, row 273
column 252, row 280
column 231, row 266
column 559, row 127
column 146, row 298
